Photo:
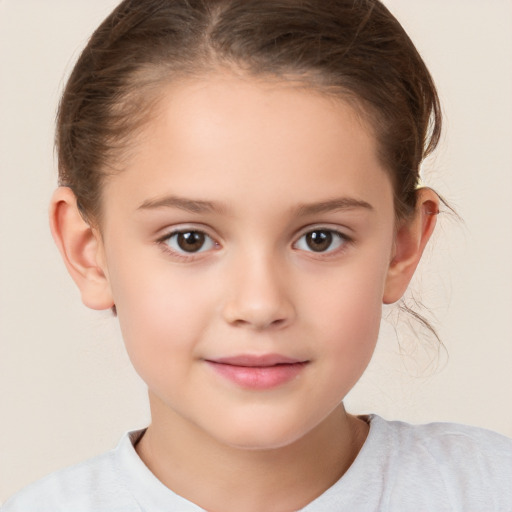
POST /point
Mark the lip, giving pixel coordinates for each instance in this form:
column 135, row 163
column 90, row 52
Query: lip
column 258, row 372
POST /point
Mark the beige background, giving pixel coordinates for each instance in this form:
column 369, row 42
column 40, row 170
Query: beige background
column 67, row 391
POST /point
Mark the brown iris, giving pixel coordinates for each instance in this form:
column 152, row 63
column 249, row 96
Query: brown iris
column 319, row 240
column 190, row 241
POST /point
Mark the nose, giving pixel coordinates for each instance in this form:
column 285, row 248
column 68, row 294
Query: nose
column 258, row 294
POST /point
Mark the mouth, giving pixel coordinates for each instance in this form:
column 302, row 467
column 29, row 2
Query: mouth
column 256, row 361
column 258, row 372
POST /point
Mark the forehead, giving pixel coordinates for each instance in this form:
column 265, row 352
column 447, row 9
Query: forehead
column 251, row 142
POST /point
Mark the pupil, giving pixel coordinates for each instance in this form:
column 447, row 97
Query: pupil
column 191, row 241
column 319, row 241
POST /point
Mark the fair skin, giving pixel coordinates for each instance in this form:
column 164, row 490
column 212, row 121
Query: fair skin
column 297, row 248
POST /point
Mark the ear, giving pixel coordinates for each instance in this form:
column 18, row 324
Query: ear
column 410, row 241
column 81, row 249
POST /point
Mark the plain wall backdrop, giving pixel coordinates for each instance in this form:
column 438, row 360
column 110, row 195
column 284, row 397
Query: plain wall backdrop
column 67, row 390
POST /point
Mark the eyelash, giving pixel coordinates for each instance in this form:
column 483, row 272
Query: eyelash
column 338, row 236
column 184, row 256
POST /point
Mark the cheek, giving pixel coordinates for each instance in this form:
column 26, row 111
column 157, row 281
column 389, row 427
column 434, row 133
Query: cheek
column 351, row 331
column 352, row 323
column 161, row 315
column 348, row 313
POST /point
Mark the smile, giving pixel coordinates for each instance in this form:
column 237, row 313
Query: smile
column 258, row 372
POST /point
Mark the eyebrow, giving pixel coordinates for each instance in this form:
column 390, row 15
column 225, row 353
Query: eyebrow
column 303, row 210
column 342, row 203
column 189, row 205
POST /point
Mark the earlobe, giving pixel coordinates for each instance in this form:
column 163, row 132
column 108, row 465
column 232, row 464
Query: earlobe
column 81, row 249
column 410, row 241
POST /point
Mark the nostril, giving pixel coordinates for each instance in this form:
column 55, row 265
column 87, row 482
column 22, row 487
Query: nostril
column 261, row 324
column 258, row 301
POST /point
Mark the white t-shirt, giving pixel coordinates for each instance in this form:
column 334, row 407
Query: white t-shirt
column 427, row 468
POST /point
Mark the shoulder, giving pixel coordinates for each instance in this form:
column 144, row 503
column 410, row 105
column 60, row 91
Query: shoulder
column 452, row 441
column 95, row 484
column 464, row 464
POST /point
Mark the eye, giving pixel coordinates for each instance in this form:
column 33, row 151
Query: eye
column 321, row 240
column 189, row 241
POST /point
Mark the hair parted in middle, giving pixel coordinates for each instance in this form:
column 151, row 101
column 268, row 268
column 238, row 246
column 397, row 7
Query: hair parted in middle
column 352, row 49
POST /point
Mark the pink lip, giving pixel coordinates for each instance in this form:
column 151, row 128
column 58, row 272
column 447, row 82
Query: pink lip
column 257, row 372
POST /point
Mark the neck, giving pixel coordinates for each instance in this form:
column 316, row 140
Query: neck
column 220, row 477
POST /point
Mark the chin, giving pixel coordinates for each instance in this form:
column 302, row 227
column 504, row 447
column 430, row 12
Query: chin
column 257, row 437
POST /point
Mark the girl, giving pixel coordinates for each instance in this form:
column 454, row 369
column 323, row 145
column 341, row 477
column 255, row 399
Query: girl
column 239, row 184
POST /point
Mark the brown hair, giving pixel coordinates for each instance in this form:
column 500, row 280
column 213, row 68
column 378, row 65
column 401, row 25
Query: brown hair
column 355, row 49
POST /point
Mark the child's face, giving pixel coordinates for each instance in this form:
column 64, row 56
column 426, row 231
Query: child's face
column 258, row 177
